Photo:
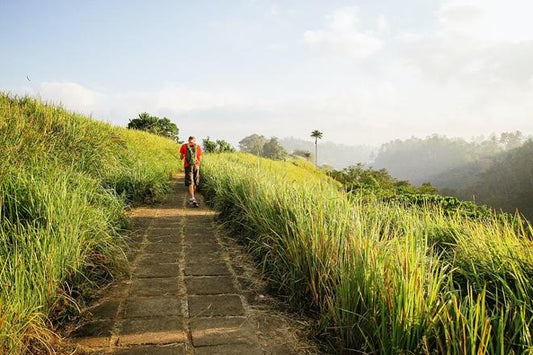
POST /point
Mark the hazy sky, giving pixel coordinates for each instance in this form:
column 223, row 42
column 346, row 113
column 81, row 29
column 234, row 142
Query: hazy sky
column 363, row 72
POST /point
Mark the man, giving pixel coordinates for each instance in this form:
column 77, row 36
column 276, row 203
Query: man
column 191, row 154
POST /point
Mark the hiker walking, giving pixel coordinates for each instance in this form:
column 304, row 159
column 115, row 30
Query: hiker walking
column 191, row 154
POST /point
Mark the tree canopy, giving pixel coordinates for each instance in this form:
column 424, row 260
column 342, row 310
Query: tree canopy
column 316, row 134
column 497, row 171
column 153, row 124
column 262, row 146
column 218, row 146
column 420, row 160
column 273, row 150
column 253, row 144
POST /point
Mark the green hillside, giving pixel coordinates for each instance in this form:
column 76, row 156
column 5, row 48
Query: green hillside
column 381, row 276
column 65, row 181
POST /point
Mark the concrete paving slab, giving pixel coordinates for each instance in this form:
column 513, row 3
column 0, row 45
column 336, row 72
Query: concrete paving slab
column 209, row 285
column 230, row 349
column 156, row 270
column 178, row 349
column 219, row 331
column 167, row 286
column 159, row 248
column 207, row 269
column 164, row 258
column 160, row 330
column 152, row 307
column 215, row 305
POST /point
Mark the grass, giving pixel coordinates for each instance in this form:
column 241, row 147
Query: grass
column 65, row 182
column 381, row 277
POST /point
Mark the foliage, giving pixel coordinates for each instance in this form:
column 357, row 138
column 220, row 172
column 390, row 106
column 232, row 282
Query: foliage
column 507, row 183
column 356, row 178
column 160, row 126
column 420, row 160
column 496, row 171
column 273, row 150
column 218, row 146
column 253, row 144
column 380, row 184
column 209, row 145
column 381, row 278
column 316, row 134
column 262, row 146
column 65, row 181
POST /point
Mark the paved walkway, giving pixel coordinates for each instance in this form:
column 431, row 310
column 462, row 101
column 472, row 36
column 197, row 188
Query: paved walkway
column 182, row 298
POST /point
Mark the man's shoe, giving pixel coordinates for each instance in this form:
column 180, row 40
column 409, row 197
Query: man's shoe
column 195, row 204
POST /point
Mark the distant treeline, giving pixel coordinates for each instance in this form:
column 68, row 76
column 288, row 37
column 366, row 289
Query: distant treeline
column 497, row 171
column 379, row 183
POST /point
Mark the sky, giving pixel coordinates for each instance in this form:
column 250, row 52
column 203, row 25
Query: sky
column 362, row 72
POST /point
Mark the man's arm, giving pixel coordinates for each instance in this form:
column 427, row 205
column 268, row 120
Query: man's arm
column 182, row 154
column 199, row 155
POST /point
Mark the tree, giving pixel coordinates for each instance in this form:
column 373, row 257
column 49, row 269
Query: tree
column 223, row 146
column 218, row 146
column 253, row 144
column 160, row 126
column 316, row 134
column 273, row 150
column 511, row 140
column 209, row 145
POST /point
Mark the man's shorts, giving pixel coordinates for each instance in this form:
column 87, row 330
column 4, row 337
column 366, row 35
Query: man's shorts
column 192, row 175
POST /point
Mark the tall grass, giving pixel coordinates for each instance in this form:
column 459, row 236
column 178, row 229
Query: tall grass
column 65, row 181
column 380, row 276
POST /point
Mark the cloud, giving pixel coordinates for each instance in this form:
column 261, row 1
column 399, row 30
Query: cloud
column 69, row 94
column 275, row 9
column 382, row 24
column 342, row 35
column 172, row 98
column 461, row 52
column 471, row 74
column 489, row 20
column 454, row 13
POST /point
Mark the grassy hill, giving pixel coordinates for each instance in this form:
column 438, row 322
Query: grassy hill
column 65, row 181
column 381, row 276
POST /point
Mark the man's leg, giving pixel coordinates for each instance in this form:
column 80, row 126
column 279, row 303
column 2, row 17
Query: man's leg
column 195, row 180
column 189, row 182
column 192, row 189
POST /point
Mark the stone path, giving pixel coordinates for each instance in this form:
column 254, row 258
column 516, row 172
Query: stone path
column 182, row 298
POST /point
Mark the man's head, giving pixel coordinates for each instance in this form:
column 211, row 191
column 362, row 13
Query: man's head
column 192, row 140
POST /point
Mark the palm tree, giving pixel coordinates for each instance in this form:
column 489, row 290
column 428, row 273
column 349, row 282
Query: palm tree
column 316, row 134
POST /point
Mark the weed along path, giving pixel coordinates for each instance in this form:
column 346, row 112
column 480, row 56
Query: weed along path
column 183, row 295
